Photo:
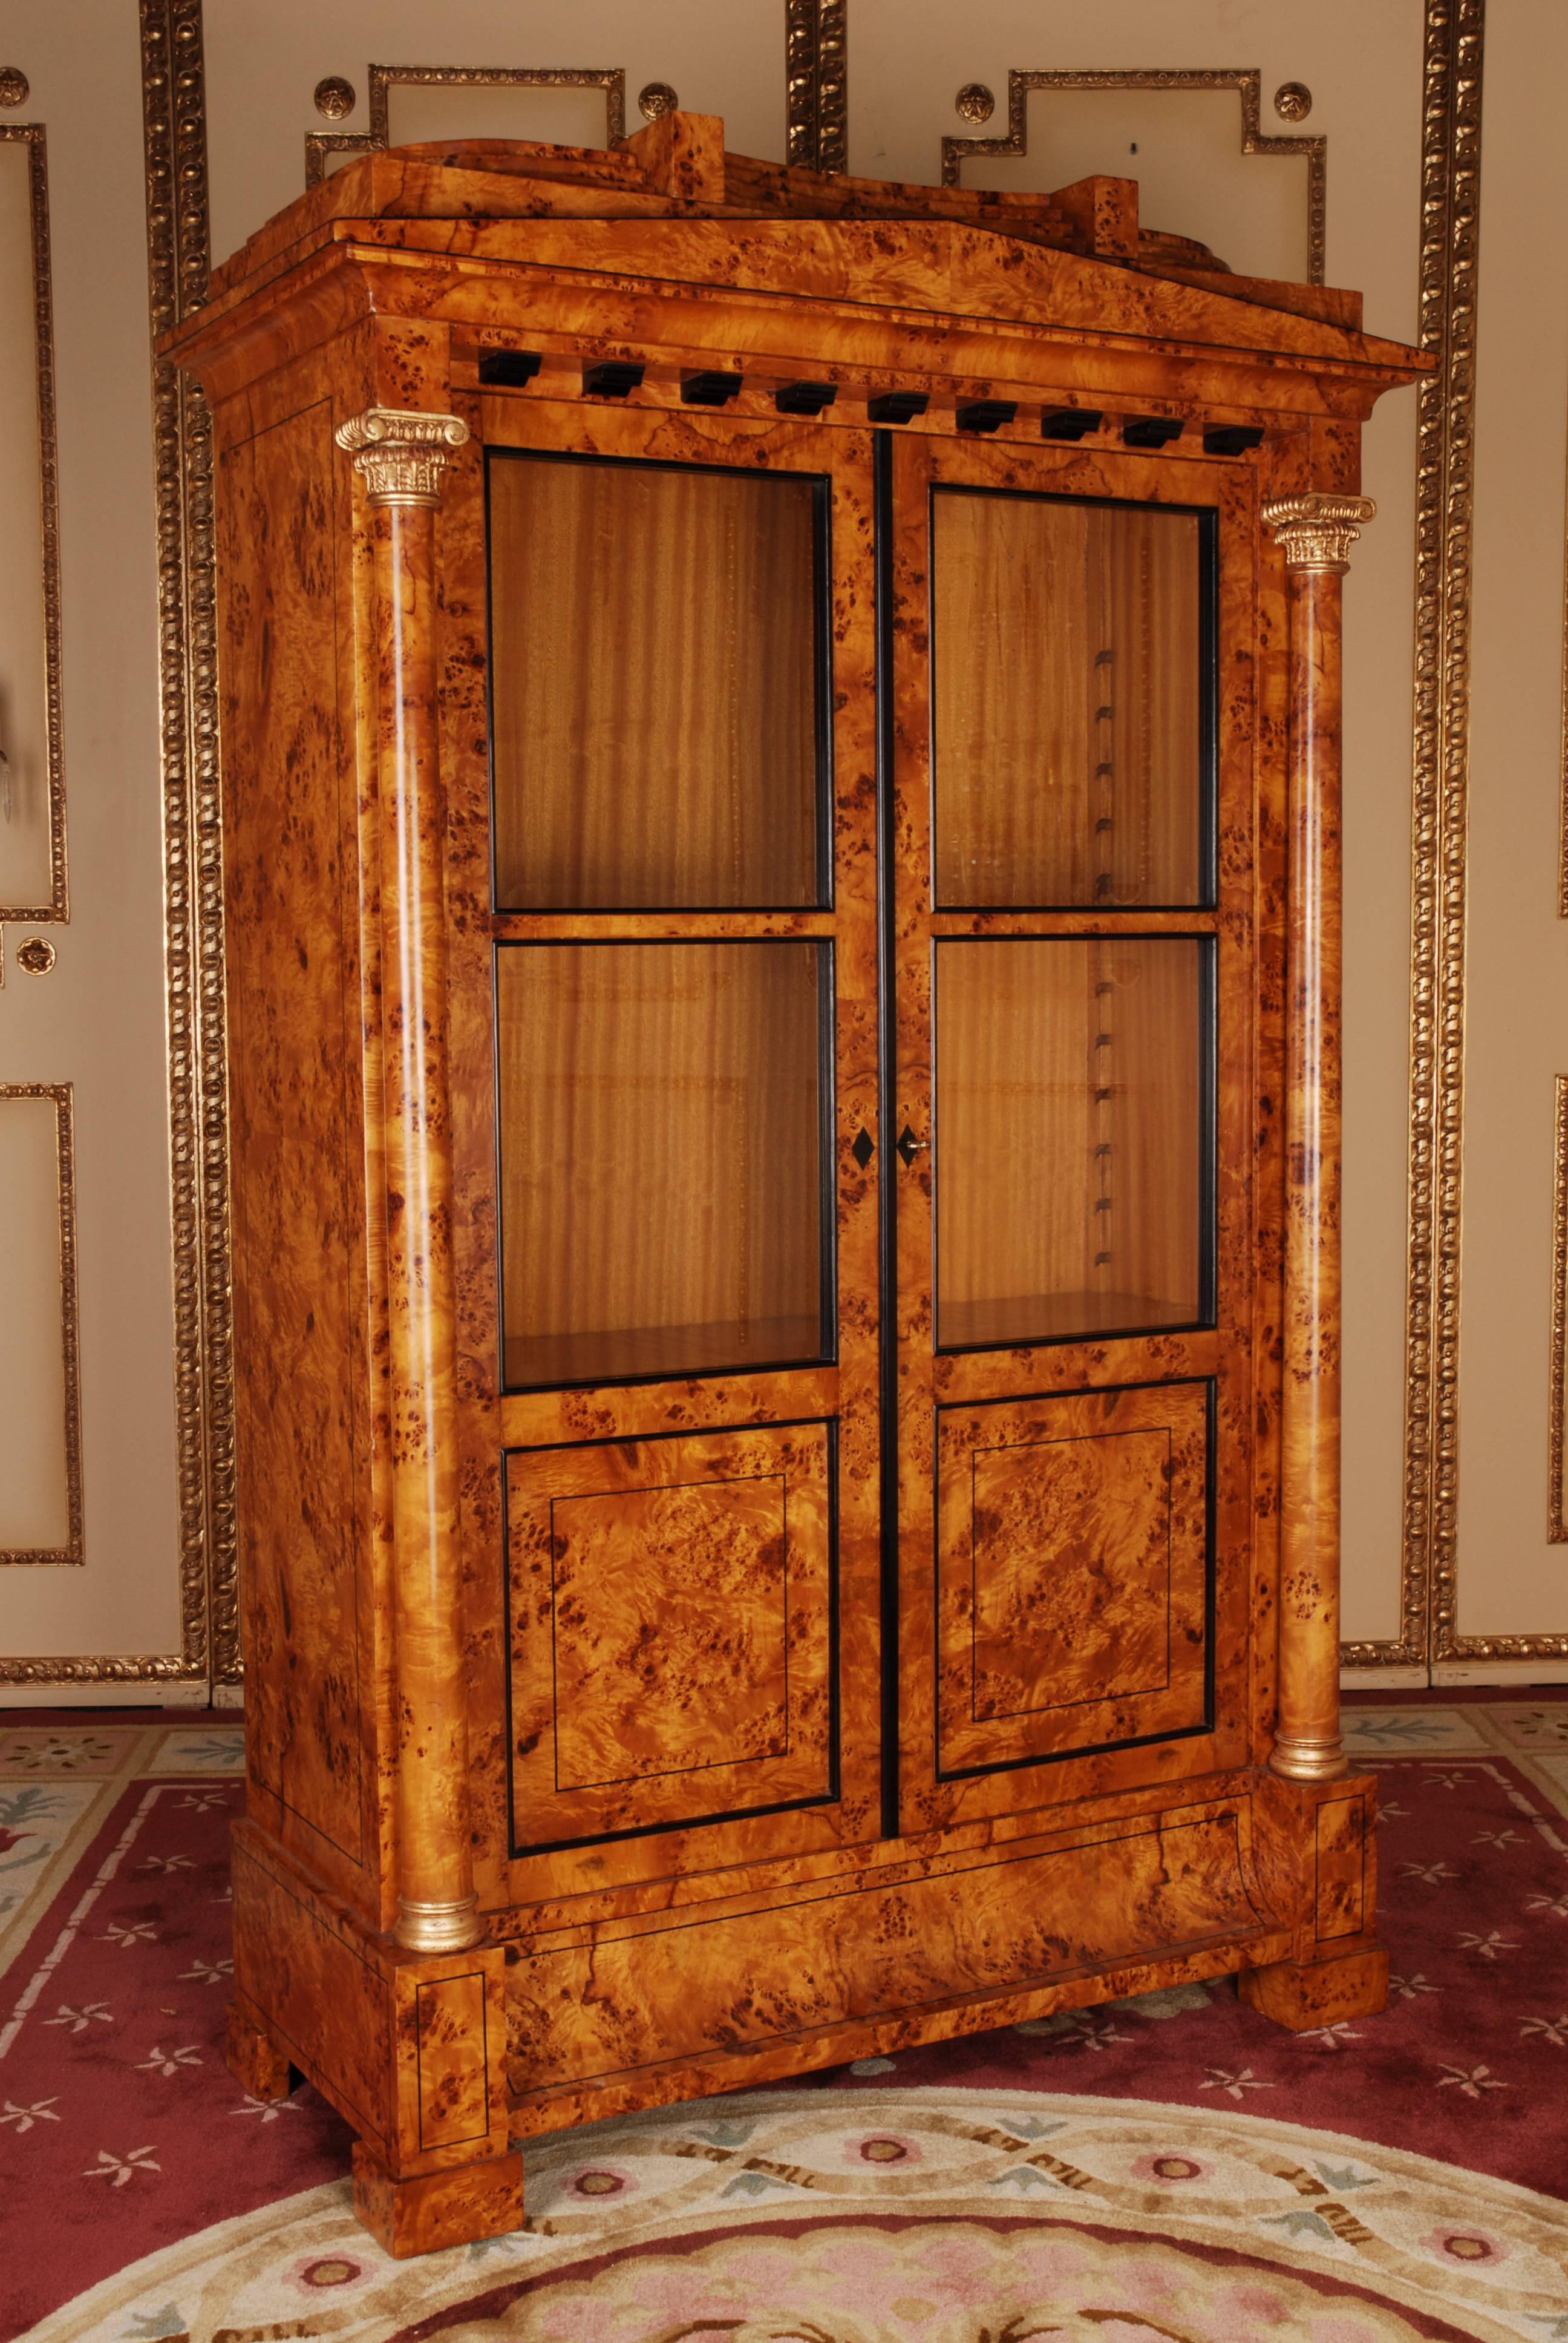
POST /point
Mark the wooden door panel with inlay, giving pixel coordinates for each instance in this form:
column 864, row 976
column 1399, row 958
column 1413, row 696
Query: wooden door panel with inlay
column 1074, row 915
column 664, row 1013
column 672, row 1643
column 1073, row 1573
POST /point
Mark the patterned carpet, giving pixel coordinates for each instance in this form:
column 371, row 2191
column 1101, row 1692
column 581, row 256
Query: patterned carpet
column 900, row 2217
column 1169, row 2167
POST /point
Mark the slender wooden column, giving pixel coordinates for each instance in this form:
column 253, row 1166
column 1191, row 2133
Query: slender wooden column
column 1316, row 532
column 401, row 458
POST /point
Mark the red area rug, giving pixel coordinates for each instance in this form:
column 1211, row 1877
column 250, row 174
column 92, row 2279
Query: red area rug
column 122, row 2132
column 120, row 2126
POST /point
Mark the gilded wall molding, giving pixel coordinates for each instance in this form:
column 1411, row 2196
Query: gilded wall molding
column 175, row 126
column 1451, row 194
column 74, row 1550
column 1246, row 83
column 1455, row 40
column 32, row 134
column 816, row 84
column 384, row 79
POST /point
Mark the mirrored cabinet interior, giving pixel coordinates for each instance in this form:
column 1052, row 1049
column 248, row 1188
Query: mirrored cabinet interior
column 781, row 785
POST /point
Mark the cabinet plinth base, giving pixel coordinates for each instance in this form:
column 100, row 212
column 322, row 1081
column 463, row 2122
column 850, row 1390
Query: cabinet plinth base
column 1304, row 1995
column 253, row 2058
column 454, row 2207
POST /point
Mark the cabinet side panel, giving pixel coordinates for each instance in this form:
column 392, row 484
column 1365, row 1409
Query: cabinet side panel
column 299, row 1963
column 293, row 1052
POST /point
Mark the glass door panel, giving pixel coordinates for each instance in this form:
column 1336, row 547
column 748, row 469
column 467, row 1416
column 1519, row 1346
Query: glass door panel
column 1072, row 1153
column 1070, row 650
column 685, row 1098
column 658, row 681
column 662, row 1141
column 1074, row 1013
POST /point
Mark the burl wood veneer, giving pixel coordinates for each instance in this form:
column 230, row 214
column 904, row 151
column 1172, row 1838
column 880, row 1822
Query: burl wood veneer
column 780, row 758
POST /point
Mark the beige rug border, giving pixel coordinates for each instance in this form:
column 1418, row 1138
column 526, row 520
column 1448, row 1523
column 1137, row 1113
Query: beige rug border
column 1480, row 2198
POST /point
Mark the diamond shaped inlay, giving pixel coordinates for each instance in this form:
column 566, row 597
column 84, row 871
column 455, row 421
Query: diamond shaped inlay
column 864, row 1148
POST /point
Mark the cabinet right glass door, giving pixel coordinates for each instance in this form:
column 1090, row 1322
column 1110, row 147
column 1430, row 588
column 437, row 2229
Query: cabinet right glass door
column 1073, row 1005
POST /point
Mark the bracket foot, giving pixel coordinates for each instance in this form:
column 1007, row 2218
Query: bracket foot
column 1304, row 1995
column 457, row 2206
column 253, row 2058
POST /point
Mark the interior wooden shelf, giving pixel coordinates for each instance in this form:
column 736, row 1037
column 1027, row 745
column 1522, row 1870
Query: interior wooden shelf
column 1048, row 1317
column 623, row 1354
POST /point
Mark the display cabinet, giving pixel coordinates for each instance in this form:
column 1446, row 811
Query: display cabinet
column 780, row 770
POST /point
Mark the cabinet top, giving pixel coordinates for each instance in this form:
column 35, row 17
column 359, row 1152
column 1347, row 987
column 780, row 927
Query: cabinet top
column 671, row 203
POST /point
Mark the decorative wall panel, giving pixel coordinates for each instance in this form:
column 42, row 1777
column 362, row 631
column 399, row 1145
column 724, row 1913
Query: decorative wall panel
column 32, row 761
column 1451, row 168
column 1254, row 141
column 175, row 118
column 40, row 1395
column 321, row 145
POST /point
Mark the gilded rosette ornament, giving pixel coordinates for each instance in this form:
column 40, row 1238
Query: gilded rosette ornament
column 1318, row 530
column 399, row 456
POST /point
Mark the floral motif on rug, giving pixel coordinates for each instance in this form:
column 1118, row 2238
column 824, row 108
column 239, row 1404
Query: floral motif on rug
column 893, row 2217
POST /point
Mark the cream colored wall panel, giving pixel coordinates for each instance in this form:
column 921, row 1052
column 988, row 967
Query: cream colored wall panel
column 1510, row 1581
column 587, row 111
column 1365, row 69
column 1518, row 1674
column 908, row 58
column 97, row 1020
column 1184, row 146
column 27, row 830
column 573, row 117
column 1378, row 662
column 40, row 1499
column 263, row 65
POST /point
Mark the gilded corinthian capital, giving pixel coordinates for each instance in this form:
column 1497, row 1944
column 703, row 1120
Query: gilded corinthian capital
column 401, row 457
column 1318, row 530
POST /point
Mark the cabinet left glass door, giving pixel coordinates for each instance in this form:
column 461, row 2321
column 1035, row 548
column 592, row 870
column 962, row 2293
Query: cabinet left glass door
column 680, row 985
